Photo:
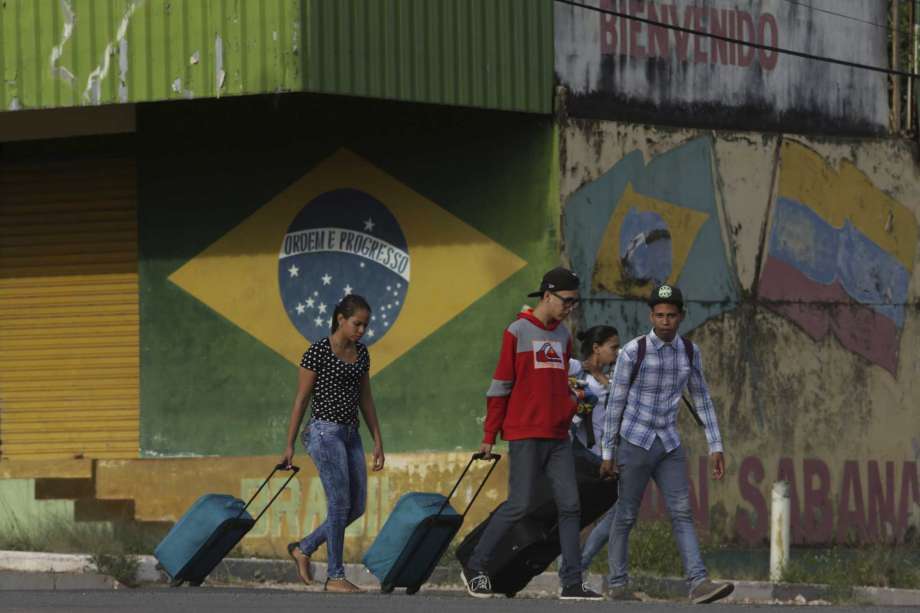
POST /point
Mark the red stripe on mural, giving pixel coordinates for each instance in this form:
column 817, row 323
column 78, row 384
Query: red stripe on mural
column 819, row 309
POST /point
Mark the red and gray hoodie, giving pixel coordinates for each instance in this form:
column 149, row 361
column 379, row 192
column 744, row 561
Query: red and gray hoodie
column 529, row 396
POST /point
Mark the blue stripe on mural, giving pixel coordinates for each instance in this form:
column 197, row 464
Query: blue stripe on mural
column 825, row 254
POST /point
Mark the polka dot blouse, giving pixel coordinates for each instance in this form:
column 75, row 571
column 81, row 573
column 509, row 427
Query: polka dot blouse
column 338, row 383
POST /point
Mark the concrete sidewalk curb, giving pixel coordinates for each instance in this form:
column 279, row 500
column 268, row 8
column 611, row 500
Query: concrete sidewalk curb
column 31, row 570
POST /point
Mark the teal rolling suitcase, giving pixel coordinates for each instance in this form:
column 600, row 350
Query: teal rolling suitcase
column 416, row 535
column 207, row 532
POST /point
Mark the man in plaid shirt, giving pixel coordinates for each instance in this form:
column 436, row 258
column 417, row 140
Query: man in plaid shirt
column 641, row 442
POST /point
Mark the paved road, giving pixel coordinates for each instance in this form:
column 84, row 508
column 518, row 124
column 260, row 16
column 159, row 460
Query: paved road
column 224, row 600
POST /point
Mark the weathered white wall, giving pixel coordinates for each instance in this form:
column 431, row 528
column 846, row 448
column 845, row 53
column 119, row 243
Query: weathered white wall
column 814, row 375
column 620, row 68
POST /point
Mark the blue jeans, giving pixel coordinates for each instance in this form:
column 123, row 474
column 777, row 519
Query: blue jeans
column 600, row 535
column 339, row 457
column 601, row 531
column 669, row 470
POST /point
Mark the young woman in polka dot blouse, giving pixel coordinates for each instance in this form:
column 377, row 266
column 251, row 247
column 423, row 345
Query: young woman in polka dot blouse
column 335, row 370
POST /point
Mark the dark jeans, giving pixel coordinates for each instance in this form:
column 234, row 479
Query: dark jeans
column 530, row 461
column 339, row 457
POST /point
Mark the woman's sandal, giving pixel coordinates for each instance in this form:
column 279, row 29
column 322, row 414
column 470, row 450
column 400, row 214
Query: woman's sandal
column 302, row 561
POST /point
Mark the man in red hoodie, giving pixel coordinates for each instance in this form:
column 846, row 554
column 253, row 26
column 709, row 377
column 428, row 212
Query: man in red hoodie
column 530, row 403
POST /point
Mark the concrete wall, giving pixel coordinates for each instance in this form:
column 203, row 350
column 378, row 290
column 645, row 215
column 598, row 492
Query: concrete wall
column 618, row 67
column 798, row 258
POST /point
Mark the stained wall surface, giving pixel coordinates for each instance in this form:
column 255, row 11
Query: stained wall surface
column 798, row 259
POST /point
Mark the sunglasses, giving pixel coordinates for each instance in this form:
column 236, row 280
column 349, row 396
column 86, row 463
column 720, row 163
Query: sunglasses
column 568, row 302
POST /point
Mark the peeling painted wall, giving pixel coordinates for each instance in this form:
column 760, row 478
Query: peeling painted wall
column 620, row 68
column 798, row 257
column 84, row 52
column 63, row 53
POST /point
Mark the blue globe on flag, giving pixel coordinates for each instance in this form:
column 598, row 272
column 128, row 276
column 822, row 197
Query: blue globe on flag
column 343, row 242
column 645, row 247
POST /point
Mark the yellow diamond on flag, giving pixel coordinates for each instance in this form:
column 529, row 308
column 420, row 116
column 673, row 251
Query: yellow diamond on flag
column 346, row 227
column 680, row 226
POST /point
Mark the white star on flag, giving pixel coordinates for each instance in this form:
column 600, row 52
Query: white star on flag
column 329, row 322
column 322, row 307
column 348, row 290
column 370, row 333
column 318, row 321
column 300, row 308
column 310, row 303
column 326, row 279
column 369, row 225
column 294, row 270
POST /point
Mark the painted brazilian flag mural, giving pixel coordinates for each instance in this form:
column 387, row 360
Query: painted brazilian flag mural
column 254, row 268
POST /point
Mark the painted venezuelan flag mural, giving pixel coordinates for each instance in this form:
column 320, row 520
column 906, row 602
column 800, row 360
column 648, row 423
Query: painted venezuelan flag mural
column 646, row 222
column 840, row 256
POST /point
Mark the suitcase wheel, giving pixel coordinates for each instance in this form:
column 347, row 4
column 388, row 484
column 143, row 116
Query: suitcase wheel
column 176, row 582
column 196, row 583
column 412, row 590
column 510, row 594
column 386, row 588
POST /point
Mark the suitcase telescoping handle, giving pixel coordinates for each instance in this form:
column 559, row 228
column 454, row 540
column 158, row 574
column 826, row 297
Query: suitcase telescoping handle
column 493, row 458
column 294, row 470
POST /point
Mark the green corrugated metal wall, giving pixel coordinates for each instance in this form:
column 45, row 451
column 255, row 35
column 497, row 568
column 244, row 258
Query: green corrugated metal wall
column 488, row 53
column 485, row 53
column 58, row 53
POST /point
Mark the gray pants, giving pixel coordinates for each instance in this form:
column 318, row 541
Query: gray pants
column 532, row 460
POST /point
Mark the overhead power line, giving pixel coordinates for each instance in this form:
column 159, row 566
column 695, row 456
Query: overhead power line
column 850, row 17
column 781, row 50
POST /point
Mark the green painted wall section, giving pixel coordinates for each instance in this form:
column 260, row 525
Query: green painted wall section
column 483, row 53
column 21, row 515
column 208, row 387
column 486, row 53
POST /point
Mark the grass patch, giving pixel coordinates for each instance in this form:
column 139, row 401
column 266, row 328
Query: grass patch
column 844, row 567
column 652, row 551
column 112, row 546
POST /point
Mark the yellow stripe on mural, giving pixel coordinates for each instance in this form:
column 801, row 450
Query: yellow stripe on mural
column 453, row 264
column 845, row 195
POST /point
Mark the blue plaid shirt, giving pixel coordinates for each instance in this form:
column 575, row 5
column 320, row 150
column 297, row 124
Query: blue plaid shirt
column 649, row 408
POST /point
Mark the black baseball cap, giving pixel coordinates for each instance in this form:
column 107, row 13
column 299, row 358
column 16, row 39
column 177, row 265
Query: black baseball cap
column 556, row 280
column 666, row 294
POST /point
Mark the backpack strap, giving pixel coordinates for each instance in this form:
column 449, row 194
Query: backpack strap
column 639, row 357
column 688, row 348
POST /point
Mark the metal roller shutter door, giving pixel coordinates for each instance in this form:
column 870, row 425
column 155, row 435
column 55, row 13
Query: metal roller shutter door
column 69, row 330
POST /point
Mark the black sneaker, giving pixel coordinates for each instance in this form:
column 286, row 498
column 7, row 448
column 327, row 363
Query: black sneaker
column 480, row 586
column 709, row 591
column 579, row 591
